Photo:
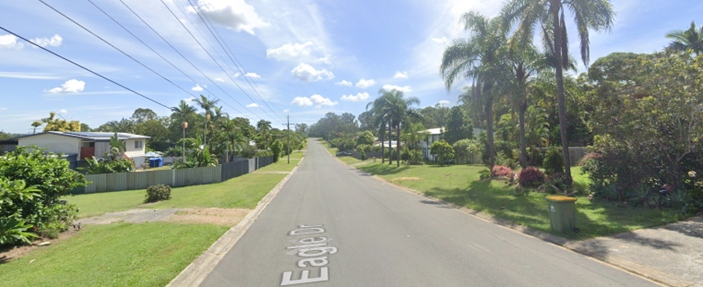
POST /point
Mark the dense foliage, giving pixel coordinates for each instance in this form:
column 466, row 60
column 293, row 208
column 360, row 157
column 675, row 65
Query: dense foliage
column 531, row 177
column 158, row 192
column 443, row 151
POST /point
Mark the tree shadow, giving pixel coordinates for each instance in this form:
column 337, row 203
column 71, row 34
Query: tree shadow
column 382, row 169
column 435, row 203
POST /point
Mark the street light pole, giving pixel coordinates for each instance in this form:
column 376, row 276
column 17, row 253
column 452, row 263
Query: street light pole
column 288, row 124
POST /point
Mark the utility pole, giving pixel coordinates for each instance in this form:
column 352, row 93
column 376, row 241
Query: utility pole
column 288, row 124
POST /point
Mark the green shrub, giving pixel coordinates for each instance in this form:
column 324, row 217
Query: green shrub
column 158, row 192
column 276, row 148
column 14, row 231
column 394, row 155
column 108, row 166
column 484, row 174
column 443, row 151
column 362, row 155
column 405, row 154
column 366, row 138
column 264, row 153
column 531, row 177
column 248, row 152
column 553, row 161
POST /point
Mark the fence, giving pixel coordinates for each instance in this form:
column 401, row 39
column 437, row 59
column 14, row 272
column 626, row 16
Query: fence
column 175, row 177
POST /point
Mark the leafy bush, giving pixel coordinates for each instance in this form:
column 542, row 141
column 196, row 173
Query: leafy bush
column 394, row 155
column 484, row 174
column 14, row 231
column 158, row 192
column 276, row 148
column 531, row 177
column 500, row 170
column 264, row 153
column 502, row 159
column 558, row 180
column 362, row 155
column 108, row 166
column 248, row 151
column 366, row 138
column 39, row 205
column 405, row 154
column 536, row 156
column 443, row 151
column 553, row 161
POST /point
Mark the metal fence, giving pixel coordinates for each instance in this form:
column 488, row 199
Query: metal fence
column 175, row 177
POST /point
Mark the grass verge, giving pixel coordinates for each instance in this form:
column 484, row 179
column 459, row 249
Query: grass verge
column 459, row 184
column 240, row 192
column 282, row 164
column 147, row 254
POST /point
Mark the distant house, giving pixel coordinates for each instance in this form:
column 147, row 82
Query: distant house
column 86, row 145
column 435, row 135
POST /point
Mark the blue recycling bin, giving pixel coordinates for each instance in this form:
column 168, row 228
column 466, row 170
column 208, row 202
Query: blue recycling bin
column 156, row 162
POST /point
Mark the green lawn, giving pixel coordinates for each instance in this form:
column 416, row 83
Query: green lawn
column 240, row 192
column 147, row 254
column 282, row 164
column 459, row 184
column 332, row 150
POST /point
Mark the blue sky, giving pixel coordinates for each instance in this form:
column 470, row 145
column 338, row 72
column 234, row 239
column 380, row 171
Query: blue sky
column 306, row 58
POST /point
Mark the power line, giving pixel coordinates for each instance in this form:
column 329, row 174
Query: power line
column 228, row 55
column 213, row 58
column 157, row 53
column 185, row 58
column 113, row 46
column 84, row 68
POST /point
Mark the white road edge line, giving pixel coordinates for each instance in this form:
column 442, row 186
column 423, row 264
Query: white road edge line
column 195, row 273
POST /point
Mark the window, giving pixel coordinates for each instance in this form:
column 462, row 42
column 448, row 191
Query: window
column 138, row 144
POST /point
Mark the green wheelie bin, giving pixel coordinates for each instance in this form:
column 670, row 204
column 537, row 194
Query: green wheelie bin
column 562, row 213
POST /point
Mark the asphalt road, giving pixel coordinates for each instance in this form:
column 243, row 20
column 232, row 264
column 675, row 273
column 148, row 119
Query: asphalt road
column 373, row 234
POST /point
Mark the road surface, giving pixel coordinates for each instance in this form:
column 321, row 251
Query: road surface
column 332, row 226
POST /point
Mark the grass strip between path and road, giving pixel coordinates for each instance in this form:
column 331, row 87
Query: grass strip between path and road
column 146, row 254
column 240, row 192
column 346, row 159
column 142, row 254
column 460, row 184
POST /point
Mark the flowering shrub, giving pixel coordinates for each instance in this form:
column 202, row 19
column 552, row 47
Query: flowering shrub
column 531, row 177
column 500, row 170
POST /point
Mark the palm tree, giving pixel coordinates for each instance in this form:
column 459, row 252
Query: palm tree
column 182, row 111
column 264, row 127
column 400, row 110
column 477, row 59
column 523, row 61
column 593, row 14
column 381, row 113
column 691, row 39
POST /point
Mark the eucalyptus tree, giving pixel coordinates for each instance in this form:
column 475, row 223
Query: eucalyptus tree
column 691, row 39
column 588, row 14
column 477, row 59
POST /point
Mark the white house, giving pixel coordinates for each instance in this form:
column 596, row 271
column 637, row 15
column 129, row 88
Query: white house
column 435, row 135
column 85, row 145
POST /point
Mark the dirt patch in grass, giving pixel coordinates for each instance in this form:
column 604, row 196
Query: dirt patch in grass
column 9, row 253
column 217, row 216
column 405, row 178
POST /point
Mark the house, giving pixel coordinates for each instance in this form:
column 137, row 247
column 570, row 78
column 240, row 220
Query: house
column 435, row 135
column 86, row 145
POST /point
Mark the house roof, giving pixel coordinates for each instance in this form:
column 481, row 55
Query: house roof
column 435, row 131
column 95, row 136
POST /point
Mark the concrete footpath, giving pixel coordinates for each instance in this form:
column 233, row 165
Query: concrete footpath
column 671, row 254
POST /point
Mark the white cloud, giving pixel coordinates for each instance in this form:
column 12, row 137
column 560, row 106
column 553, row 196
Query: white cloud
column 344, row 83
column 442, row 40
column 3, row 109
column 55, row 41
column 365, row 83
column 252, row 75
column 394, row 87
column 189, row 101
column 302, row 102
column 253, row 105
column 70, row 86
column 234, row 14
column 290, row 52
column 324, row 60
column 237, row 75
column 286, row 110
column 316, row 100
column 399, row 75
column 307, row 73
column 10, row 42
column 29, row 76
column 198, row 88
column 219, row 80
column 63, row 112
column 321, row 101
column 360, row 97
column 443, row 103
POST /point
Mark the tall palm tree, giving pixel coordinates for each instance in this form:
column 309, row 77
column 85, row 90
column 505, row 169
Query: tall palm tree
column 588, row 14
column 380, row 108
column 264, row 128
column 182, row 111
column 400, row 110
column 477, row 59
column 690, row 39
column 523, row 61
